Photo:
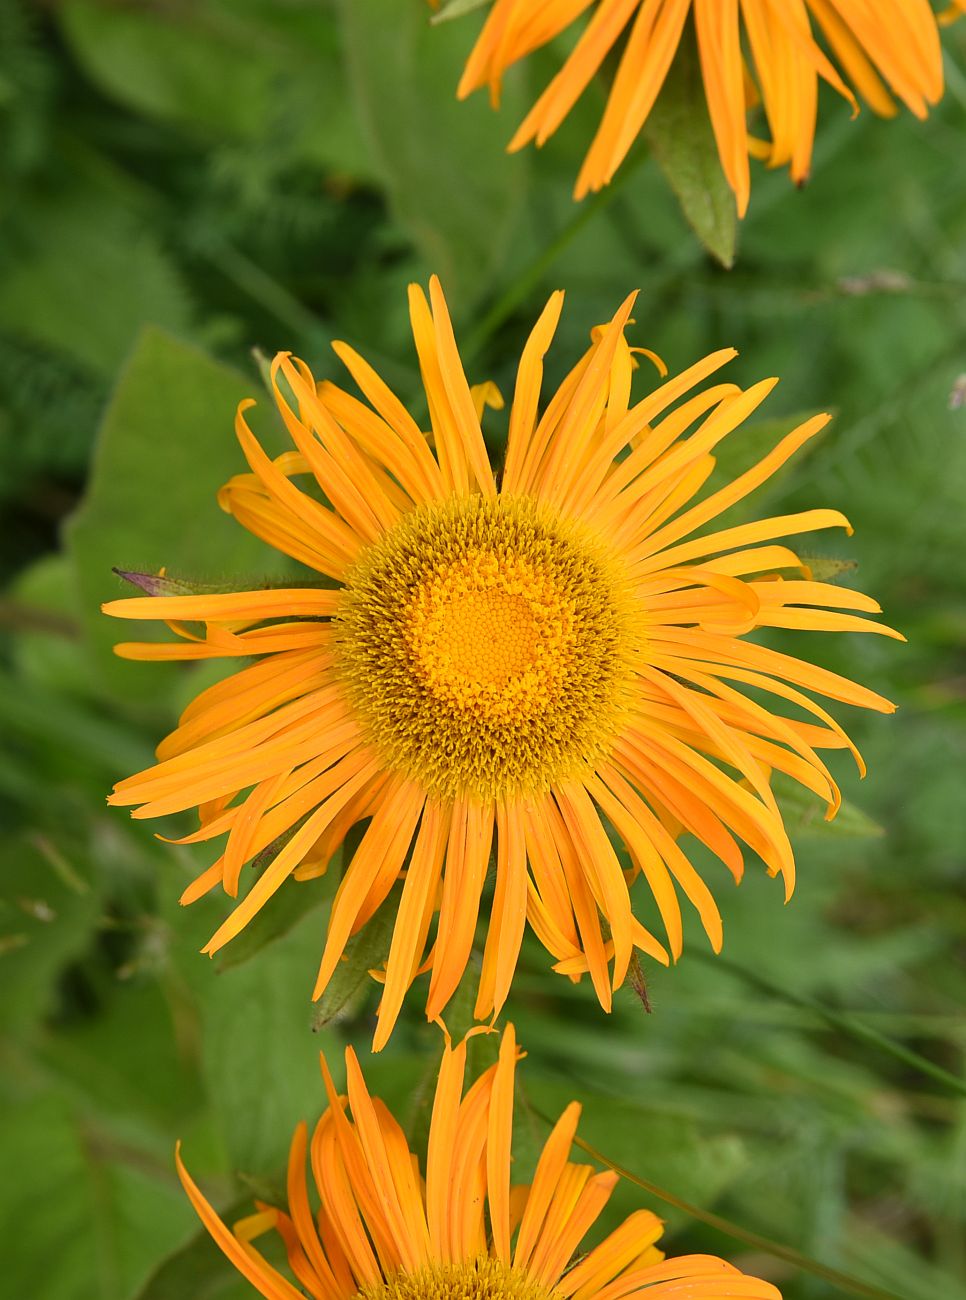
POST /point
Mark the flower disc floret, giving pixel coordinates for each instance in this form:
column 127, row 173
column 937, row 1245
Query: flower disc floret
column 484, row 645
column 483, row 1278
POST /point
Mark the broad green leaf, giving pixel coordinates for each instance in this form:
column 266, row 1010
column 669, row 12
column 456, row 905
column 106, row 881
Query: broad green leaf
column 231, row 68
column 125, row 1062
column 199, row 1269
column 443, row 163
column 82, row 248
column 164, row 449
column 679, row 133
column 261, row 1058
column 170, row 63
column 86, row 1214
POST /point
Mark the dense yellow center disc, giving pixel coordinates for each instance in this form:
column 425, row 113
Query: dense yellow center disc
column 483, row 1279
column 483, row 645
column 492, row 635
column 486, row 637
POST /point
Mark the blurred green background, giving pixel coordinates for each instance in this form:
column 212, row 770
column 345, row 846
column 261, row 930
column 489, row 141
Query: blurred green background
column 183, row 181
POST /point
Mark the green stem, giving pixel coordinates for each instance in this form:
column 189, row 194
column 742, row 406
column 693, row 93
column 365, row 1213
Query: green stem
column 850, row 1025
column 530, row 277
column 30, row 618
column 264, row 289
column 844, row 1281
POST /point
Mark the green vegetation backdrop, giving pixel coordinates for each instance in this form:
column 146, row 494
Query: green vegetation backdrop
column 182, row 181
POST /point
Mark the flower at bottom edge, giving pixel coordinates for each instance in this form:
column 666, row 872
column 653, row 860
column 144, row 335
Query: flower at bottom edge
column 383, row 1231
column 543, row 663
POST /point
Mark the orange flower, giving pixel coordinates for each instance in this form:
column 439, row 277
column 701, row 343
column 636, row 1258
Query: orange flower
column 533, row 662
column 884, row 51
column 465, row 1233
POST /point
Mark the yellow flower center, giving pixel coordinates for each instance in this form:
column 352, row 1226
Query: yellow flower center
column 483, row 644
column 483, row 1279
column 482, row 635
column 492, row 635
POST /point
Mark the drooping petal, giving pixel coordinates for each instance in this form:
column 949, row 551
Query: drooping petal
column 768, row 52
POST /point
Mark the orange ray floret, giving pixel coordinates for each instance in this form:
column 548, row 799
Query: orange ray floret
column 383, row 1231
column 535, row 678
column 773, row 52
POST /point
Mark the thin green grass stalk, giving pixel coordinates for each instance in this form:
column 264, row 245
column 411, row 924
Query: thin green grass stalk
column 848, row 1024
column 845, row 1282
column 530, row 277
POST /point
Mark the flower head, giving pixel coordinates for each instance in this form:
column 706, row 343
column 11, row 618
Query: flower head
column 383, row 1232
column 775, row 52
column 542, row 664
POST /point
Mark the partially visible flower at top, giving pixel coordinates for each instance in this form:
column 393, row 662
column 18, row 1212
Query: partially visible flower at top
column 774, row 52
column 541, row 662
column 382, row 1232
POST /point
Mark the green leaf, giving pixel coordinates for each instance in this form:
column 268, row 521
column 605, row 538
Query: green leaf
column 125, row 1063
column 827, row 568
column 260, row 1056
column 365, row 951
column 168, row 63
column 199, row 1269
column 853, row 1026
column 876, row 1252
column 234, row 69
column 67, row 739
column 165, row 447
column 443, row 163
column 286, row 908
column 456, row 9
column 679, row 133
column 48, row 911
column 804, row 813
column 81, row 248
column 91, row 1212
column 43, row 621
